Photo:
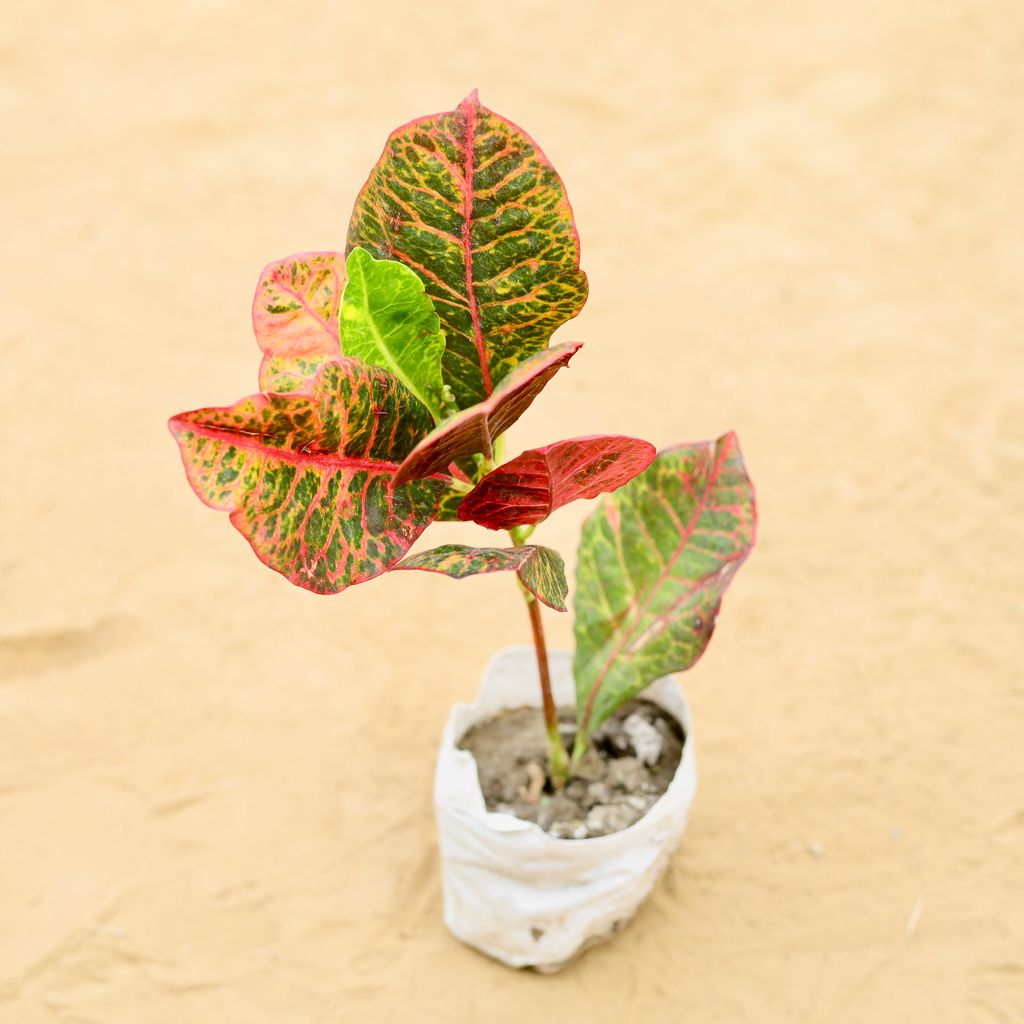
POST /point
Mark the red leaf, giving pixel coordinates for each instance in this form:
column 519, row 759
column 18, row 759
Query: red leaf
column 295, row 317
column 475, row 429
column 530, row 487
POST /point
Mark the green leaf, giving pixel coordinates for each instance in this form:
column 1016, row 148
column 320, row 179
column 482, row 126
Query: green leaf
column 388, row 321
column 295, row 318
column 309, row 477
column 655, row 558
column 470, row 203
column 540, row 569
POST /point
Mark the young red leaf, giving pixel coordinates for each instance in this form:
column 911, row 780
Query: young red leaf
column 530, row 487
column 295, row 317
column 309, row 477
column 540, row 569
column 655, row 559
column 475, row 429
column 468, row 201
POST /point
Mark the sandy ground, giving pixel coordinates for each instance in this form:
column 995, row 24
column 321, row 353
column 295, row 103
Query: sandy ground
column 802, row 220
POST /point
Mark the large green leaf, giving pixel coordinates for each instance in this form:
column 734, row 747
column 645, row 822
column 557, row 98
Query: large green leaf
column 655, row 558
column 387, row 320
column 540, row 569
column 309, row 477
column 469, row 201
column 295, row 317
column 477, row 428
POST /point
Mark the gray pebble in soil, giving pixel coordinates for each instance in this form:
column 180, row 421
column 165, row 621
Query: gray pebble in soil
column 644, row 738
column 628, row 774
column 608, row 818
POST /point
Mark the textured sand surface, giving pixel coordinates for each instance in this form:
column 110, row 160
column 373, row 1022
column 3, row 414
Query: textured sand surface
column 802, row 220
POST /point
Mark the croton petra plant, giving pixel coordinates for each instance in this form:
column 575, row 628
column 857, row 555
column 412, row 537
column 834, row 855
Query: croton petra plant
column 390, row 375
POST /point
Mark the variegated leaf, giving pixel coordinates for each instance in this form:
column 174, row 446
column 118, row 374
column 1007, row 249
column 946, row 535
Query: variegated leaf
column 477, row 428
column 388, row 321
column 295, row 318
column 540, row 569
column 530, row 487
column 469, row 201
column 655, row 559
column 448, row 505
column 454, row 493
column 309, row 477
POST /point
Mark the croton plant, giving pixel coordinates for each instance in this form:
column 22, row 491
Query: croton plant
column 390, row 375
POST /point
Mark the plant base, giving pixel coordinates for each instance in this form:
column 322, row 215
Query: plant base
column 510, row 889
column 631, row 761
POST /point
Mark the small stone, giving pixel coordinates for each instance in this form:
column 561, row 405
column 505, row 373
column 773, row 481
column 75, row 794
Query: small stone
column 598, row 793
column 639, row 803
column 576, row 790
column 627, row 773
column 645, row 738
column 545, row 815
column 607, row 818
column 620, row 743
column 590, row 768
column 530, row 793
column 580, row 831
column 556, row 808
column 516, row 782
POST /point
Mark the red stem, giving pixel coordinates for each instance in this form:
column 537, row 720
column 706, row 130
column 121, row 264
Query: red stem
column 550, row 714
column 558, row 760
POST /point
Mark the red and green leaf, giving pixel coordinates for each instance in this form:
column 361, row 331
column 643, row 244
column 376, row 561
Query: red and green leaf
column 295, row 318
column 528, row 489
column 469, row 202
column 477, row 428
column 453, row 494
column 655, row 559
column 540, row 569
column 309, row 477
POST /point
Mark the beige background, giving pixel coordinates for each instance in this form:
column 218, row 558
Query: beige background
column 802, row 220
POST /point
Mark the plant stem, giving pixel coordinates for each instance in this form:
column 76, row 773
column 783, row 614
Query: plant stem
column 558, row 760
column 520, row 535
column 579, row 748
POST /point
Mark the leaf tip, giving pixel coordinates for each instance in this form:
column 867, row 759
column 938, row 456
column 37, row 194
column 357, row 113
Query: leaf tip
column 175, row 424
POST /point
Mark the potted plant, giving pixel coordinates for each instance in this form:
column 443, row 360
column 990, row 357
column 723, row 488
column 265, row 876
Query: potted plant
column 390, row 375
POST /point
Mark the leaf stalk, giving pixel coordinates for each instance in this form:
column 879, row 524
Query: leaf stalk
column 558, row 760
